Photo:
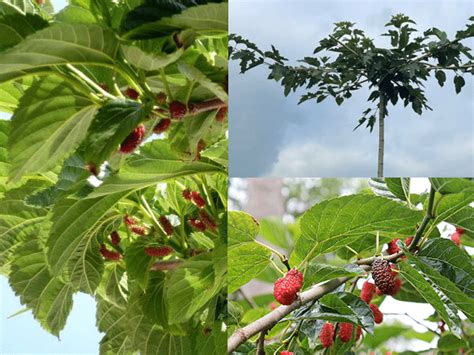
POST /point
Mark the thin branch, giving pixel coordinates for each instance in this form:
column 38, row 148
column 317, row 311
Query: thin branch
column 198, row 107
column 413, row 319
column 345, row 46
column 261, row 343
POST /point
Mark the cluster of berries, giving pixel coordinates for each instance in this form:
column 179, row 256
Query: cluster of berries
column 456, row 236
column 110, row 254
column 346, row 330
column 366, row 295
column 204, row 221
column 133, row 227
column 286, row 288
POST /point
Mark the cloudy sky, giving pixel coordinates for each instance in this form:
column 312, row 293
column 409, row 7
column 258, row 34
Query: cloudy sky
column 271, row 135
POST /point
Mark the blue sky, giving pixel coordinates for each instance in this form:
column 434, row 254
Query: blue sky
column 23, row 335
column 271, row 135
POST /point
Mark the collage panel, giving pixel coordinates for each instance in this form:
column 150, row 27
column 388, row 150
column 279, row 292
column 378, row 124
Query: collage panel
column 350, row 265
column 351, row 88
column 113, row 177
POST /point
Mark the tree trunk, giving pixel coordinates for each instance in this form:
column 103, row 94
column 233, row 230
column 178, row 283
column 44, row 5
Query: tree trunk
column 381, row 135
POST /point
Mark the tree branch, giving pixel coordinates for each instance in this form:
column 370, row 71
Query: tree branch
column 426, row 219
column 271, row 319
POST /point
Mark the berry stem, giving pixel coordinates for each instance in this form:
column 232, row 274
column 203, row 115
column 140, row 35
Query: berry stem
column 149, row 212
column 426, row 219
column 282, row 257
column 165, row 85
column 89, row 81
column 190, row 91
column 198, row 107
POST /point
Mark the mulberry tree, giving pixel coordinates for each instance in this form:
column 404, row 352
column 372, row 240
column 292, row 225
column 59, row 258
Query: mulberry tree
column 348, row 60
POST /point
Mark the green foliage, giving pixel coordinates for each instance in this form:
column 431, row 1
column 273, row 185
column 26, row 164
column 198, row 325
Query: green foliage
column 334, row 250
column 352, row 60
column 78, row 83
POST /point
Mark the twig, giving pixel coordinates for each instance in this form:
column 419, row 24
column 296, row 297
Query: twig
column 413, row 319
column 166, row 265
column 197, row 107
column 261, row 343
column 426, row 220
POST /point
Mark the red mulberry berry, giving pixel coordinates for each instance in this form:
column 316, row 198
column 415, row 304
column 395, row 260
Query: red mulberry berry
column 273, row 305
column 460, row 230
column 358, row 332
column 207, row 220
column 158, row 251
column 108, row 254
column 138, row 230
column 40, row 2
column 187, row 194
column 456, row 238
column 162, row 126
column 382, row 275
column 286, row 288
column 286, row 352
column 166, row 225
column 131, row 93
column 220, row 115
column 129, row 221
column 196, row 223
column 197, row 199
column 367, row 292
column 345, row 332
column 397, row 287
column 133, row 140
column 161, row 98
column 115, row 238
column 327, row 335
column 408, row 241
column 393, row 247
column 178, row 110
column 378, row 316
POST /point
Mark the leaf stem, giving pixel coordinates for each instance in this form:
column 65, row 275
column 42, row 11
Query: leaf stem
column 282, row 257
column 426, row 219
column 165, row 84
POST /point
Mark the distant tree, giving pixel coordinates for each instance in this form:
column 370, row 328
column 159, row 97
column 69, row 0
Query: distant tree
column 353, row 60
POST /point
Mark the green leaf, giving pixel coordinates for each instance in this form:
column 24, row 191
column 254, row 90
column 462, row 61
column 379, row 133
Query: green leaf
column 73, row 225
column 112, row 124
column 248, row 257
column 195, row 74
column 113, row 285
column 349, row 304
column 451, row 262
column 49, row 123
column 49, row 298
column 191, row 287
column 441, row 77
column 149, row 61
column 204, row 19
column 459, row 83
column 400, row 187
column 59, row 45
column 426, row 290
column 316, row 273
column 14, row 28
column 153, row 301
column 451, row 185
column 218, row 152
column 17, row 220
column 17, row 6
column 446, row 287
column 75, row 14
column 449, row 342
column 334, row 223
column 276, row 232
column 138, row 263
column 450, row 205
column 156, row 163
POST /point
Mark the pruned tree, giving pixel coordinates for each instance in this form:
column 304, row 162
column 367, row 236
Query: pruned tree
column 348, row 60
